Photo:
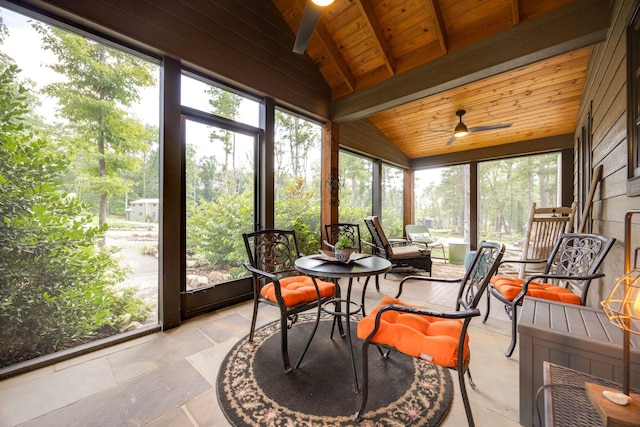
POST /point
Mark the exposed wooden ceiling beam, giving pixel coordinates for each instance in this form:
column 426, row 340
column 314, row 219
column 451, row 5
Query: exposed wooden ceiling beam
column 372, row 21
column 515, row 12
column 336, row 56
column 441, row 30
column 579, row 24
column 331, row 49
column 537, row 146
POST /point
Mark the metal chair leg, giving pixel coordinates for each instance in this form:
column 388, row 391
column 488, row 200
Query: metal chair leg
column 313, row 333
column 365, row 380
column 486, row 313
column 465, row 397
column 254, row 319
column 284, row 343
column 471, row 383
column 514, row 330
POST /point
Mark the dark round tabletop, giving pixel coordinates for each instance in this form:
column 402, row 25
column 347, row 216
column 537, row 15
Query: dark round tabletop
column 314, row 265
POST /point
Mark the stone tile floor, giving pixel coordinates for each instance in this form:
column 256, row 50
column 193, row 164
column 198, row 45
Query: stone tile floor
column 168, row 378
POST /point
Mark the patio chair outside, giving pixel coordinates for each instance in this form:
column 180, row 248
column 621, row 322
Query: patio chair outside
column 400, row 256
column 272, row 254
column 394, row 324
column 421, row 235
column 569, row 270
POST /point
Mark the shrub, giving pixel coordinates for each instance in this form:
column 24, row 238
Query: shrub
column 57, row 287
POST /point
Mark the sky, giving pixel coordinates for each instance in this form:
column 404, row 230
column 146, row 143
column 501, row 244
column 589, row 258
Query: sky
column 23, row 45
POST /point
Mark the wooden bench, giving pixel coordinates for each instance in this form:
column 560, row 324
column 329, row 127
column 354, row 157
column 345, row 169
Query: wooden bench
column 577, row 337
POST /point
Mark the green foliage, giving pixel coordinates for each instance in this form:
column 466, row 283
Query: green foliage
column 99, row 83
column 215, row 231
column 344, row 242
column 57, row 289
column 509, row 186
column 299, row 209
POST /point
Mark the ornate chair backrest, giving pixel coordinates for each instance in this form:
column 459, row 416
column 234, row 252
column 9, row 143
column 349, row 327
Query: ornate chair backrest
column 477, row 277
column 352, row 231
column 379, row 238
column 578, row 255
column 273, row 251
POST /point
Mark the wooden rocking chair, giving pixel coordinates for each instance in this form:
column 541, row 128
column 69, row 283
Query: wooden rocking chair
column 543, row 229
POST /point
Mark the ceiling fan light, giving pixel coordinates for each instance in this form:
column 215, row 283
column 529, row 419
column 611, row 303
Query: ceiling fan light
column 460, row 130
column 322, row 2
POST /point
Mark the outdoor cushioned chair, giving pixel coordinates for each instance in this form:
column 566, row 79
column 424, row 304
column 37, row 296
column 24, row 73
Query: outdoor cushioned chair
column 571, row 267
column 400, row 256
column 435, row 336
column 420, row 234
column 272, row 254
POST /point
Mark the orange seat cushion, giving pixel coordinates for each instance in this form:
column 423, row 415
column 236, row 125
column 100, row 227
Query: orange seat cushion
column 510, row 287
column 430, row 338
column 298, row 289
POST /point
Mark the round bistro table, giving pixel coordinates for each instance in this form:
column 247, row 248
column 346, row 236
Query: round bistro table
column 317, row 266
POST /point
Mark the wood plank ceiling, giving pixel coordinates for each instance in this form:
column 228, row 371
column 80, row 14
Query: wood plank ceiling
column 360, row 43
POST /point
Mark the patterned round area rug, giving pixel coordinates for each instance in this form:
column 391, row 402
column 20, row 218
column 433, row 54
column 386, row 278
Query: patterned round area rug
column 254, row 390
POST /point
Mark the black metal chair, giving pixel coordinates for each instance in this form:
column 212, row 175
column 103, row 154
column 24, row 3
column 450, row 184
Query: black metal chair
column 571, row 266
column 272, row 254
column 333, row 232
column 393, row 324
column 400, row 256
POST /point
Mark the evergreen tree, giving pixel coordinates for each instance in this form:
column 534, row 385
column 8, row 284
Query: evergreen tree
column 100, row 83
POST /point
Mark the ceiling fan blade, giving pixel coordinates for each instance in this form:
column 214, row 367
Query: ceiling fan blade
column 310, row 18
column 453, row 138
column 490, row 127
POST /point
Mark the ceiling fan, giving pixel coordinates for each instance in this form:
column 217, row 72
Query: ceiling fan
column 310, row 18
column 462, row 130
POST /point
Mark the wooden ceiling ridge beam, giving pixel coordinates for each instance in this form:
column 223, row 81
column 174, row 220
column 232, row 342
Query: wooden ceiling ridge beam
column 515, row 12
column 371, row 19
column 441, row 30
column 577, row 25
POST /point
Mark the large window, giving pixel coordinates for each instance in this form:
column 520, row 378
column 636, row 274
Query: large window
column 442, row 202
column 79, row 189
column 356, row 192
column 633, row 104
column 392, row 200
column 506, row 190
column 220, row 186
column 297, row 179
